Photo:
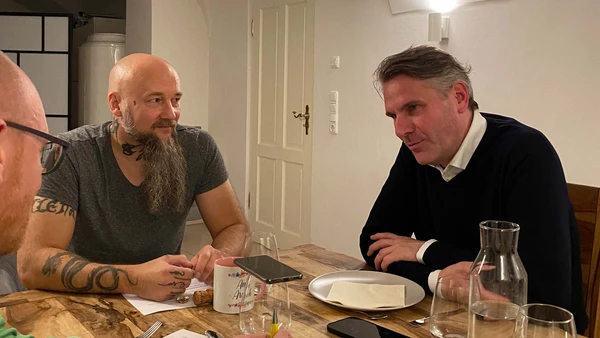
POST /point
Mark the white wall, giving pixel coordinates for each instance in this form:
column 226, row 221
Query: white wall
column 536, row 60
column 179, row 35
column 177, row 32
column 138, row 26
column 350, row 168
column 228, row 89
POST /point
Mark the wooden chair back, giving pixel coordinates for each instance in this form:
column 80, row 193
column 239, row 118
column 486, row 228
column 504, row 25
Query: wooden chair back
column 586, row 203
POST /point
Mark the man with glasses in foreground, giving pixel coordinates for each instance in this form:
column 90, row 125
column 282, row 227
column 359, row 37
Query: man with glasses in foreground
column 24, row 144
column 50, row 156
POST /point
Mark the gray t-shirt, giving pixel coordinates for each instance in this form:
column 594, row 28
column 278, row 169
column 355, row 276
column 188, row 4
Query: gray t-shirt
column 113, row 224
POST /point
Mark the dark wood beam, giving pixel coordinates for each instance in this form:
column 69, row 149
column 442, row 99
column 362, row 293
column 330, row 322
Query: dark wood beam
column 46, row 6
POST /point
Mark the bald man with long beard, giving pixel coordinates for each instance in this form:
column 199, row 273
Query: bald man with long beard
column 111, row 218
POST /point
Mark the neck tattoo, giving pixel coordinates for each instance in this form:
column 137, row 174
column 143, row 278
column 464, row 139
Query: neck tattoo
column 127, row 148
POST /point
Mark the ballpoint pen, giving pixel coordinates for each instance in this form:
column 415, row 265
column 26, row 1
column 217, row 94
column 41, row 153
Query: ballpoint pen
column 274, row 323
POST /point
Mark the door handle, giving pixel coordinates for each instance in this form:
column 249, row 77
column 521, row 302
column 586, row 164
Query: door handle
column 303, row 116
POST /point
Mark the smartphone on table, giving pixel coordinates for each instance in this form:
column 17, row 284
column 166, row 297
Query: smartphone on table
column 353, row 327
column 267, row 269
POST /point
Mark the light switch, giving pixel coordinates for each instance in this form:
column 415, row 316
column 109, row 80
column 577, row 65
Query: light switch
column 335, row 62
column 333, row 110
column 333, row 96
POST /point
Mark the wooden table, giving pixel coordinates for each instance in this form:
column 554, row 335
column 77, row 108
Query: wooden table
column 61, row 314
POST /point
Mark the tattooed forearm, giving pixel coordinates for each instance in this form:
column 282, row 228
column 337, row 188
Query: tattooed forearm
column 43, row 204
column 174, row 284
column 52, row 264
column 76, row 264
column 103, row 277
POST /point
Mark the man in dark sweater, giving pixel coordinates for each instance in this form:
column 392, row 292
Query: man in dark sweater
column 458, row 167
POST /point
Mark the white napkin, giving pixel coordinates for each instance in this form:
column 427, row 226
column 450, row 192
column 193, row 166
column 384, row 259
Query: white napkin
column 185, row 334
column 366, row 295
column 146, row 307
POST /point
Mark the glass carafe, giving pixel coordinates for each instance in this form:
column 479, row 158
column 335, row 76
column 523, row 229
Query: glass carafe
column 498, row 282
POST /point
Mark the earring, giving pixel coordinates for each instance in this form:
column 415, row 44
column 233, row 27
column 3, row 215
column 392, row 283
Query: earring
column 114, row 126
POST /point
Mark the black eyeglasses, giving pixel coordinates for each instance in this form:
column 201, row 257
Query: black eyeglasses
column 51, row 153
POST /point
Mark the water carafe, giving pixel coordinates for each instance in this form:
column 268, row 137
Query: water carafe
column 498, row 282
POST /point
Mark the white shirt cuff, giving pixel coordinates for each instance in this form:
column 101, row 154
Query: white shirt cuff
column 432, row 280
column 422, row 250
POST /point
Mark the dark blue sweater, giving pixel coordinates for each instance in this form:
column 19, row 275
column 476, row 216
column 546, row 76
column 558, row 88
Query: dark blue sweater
column 514, row 175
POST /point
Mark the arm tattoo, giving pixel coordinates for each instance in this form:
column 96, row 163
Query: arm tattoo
column 43, row 204
column 52, row 264
column 174, row 284
column 75, row 264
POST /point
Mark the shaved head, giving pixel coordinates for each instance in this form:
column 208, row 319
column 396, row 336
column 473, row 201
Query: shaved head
column 19, row 100
column 134, row 69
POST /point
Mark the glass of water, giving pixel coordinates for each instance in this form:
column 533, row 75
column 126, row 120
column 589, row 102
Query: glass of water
column 450, row 308
column 544, row 321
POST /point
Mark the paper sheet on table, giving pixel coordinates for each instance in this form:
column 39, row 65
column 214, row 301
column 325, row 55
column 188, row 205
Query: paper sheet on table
column 185, row 334
column 146, row 307
column 366, row 295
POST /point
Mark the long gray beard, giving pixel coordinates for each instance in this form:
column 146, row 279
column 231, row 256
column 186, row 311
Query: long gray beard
column 165, row 171
column 165, row 176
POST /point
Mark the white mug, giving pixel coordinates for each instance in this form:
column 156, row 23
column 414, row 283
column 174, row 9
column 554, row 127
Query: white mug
column 229, row 285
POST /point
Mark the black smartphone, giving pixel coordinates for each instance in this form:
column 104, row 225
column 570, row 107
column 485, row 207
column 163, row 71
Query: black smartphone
column 353, row 327
column 267, row 269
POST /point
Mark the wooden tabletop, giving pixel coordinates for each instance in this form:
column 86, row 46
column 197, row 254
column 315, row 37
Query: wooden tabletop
column 62, row 314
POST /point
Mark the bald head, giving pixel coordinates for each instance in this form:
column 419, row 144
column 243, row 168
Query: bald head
column 19, row 100
column 134, row 69
column 143, row 93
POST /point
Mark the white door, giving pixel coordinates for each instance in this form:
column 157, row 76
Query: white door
column 280, row 147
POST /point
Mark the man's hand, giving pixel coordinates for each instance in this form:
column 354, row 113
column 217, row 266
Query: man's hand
column 163, row 278
column 204, row 263
column 461, row 270
column 393, row 248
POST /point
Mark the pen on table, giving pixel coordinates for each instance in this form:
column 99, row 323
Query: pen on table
column 274, row 323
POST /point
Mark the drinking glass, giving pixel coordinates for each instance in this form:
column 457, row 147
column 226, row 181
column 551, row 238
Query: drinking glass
column 544, row 321
column 450, row 307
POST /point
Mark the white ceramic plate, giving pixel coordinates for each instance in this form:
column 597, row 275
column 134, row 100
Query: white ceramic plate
column 320, row 287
